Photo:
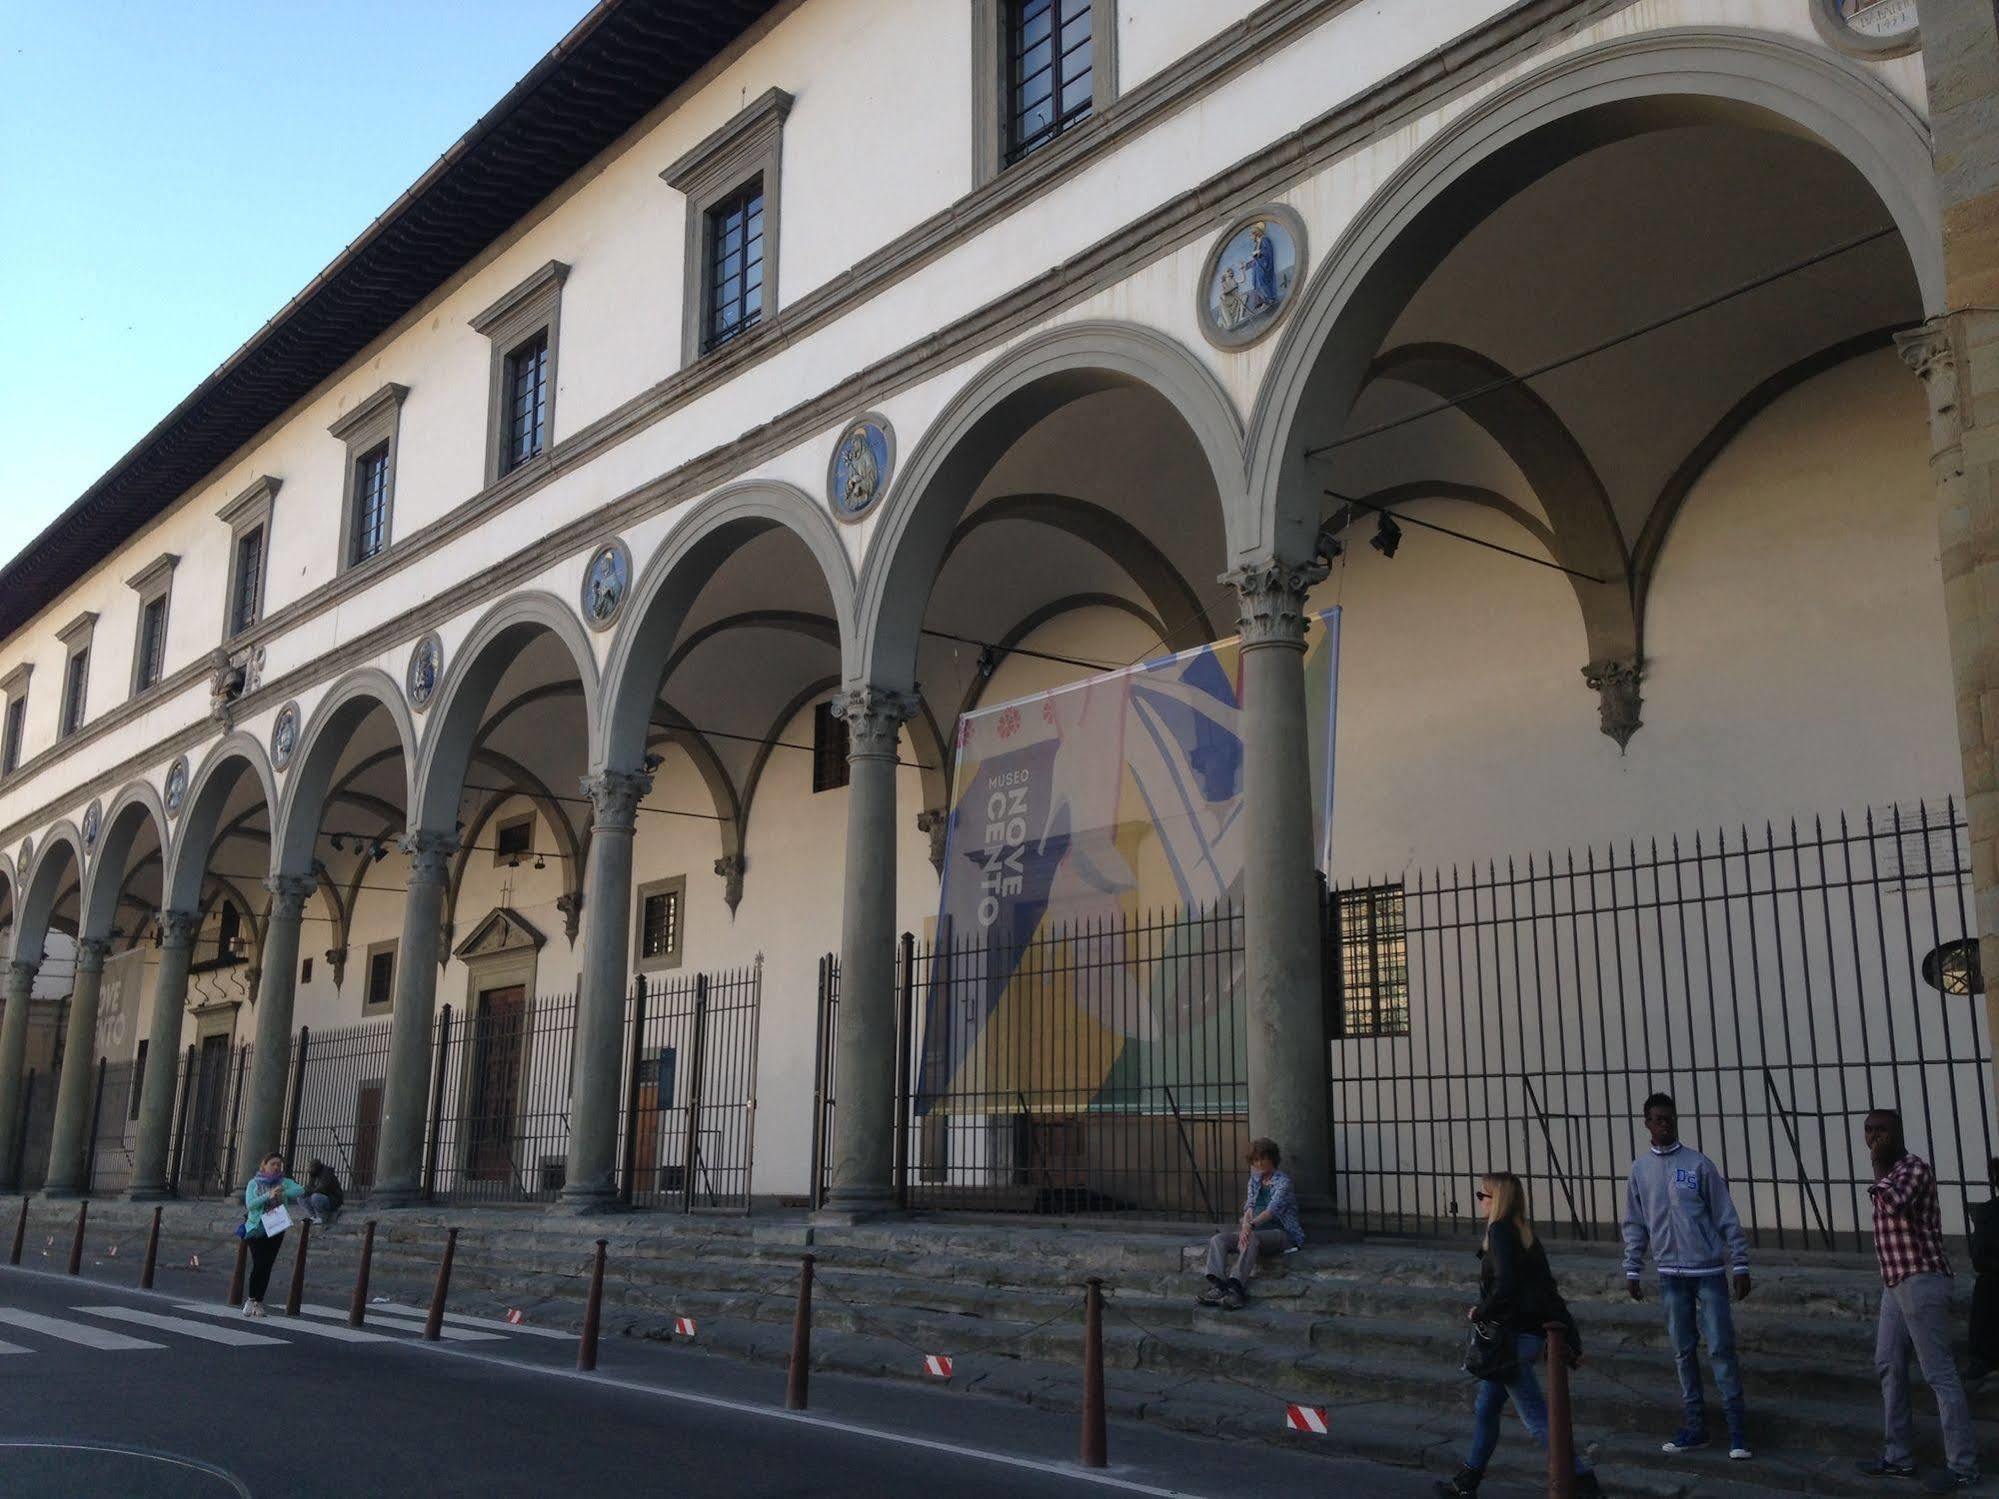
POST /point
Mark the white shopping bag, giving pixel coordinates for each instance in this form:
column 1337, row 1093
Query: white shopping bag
column 276, row 1221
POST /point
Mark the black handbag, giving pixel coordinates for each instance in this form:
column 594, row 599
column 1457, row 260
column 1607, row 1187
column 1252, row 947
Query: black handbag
column 1491, row 1352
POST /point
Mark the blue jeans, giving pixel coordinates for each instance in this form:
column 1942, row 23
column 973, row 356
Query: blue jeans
column 1525, row 1389
column 1698, row 1304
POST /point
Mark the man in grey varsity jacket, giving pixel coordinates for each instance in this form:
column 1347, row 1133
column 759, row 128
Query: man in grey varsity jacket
column 1678, row 1207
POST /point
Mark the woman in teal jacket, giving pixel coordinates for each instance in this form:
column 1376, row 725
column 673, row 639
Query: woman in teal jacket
column 269, row 1188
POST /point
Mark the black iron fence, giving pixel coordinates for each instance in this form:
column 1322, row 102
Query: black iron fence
column 114, row 1128
column 687, row 1136
column 501, row 1099
column 1778, row 984
column 333, row 1109
column 208, row 1113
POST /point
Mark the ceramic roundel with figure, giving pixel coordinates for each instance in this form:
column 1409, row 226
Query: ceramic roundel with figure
column 606, row 581
column 93, row 824
column 1251, row 276
column 284, row 736
column 426, row 666
column 863, row 462
column 176, row 786
column 1873, row 29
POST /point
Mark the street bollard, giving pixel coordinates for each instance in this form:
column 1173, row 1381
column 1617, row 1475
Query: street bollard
column 297, row 1291
column 235, row 1296
column 20, row 1234
column 1094, row 1444
column 76, row 1244
column 801, row 1340
column 152, row 1253
column 1561, row 1431
column 433, row 1327
column 357, row 1310
column 593, row 1309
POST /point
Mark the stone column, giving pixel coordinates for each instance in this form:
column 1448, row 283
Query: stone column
column 1288, row 1055
column 76, row 1092
column 406, row 1095
column 590, row 1183
column 156, row 1088
column 13, row 1049
column 864, row 1072
column 271, row 1062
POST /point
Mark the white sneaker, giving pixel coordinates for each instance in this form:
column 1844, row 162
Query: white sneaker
column 256, row 1308
column 1740, row 1454
column 247, row 1308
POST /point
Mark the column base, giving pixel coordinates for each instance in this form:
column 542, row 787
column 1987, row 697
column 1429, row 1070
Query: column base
column 151, row 1192
column 395, row 1195
column 56, row 1192
column 587, row 1202
column 858, row 1205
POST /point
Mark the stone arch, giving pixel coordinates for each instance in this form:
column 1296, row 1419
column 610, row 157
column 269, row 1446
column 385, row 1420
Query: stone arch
column 104, row 880
column 465, row 695
column 295, row 825
column 1012, row 393
column 10, row 883
column 59, row 852
column 208, row 791
column 1053, row 610
column 1621, row 89
column 667, row 588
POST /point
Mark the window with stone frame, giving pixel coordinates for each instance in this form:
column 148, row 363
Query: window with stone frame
column 378, row 995
column 1373, row 957
column 662, row 923
column 830, row 742
column 735, row 272
column 524, row 331
column 13, row 741
column 732, row 182
column 526, row 415
column 513, row 839
column 248, row 517
column 153, row 584
column 74, row 706
column 1040, row 68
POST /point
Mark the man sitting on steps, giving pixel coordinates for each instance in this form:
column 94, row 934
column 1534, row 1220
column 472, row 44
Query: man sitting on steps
column 1269, row 1225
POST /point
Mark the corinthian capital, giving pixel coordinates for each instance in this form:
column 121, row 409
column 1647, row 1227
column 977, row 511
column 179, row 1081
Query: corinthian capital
column 91, row 953
column 874, row 718
column 429, row 855
column 1272, row 595
column 288, row 895
column 1931, row 353
column 615, row 795
column 177, row 928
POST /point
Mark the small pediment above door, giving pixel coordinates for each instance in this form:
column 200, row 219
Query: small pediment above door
column 502, row 930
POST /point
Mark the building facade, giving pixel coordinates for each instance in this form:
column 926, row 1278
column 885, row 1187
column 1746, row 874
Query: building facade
column 584, row 578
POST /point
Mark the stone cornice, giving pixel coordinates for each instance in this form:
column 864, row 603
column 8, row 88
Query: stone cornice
column 1456, row 69
column 262, row 491
column 539, row 283
column 84, row 624
column 696, row 172
column 160, row 567
column 389, row 396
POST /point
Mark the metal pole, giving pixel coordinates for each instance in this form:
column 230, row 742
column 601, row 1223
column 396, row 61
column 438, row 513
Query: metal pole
column 357, row 1309
column 904, row 1022
column 180, row 1126
column 152, row 1252
column 1561, row 1431
column 631, row 1161
column 697, row 1047
column 816, row 1190
column 20, row 1233
column 436, row 1103
column 96, row 1119
column 298, row 1269
column 76, row 1244
column 593, row 1309
column 801, row 1340
column 433, row 1327
column 235, row 1295
column 298, row 1093
column 1094, row 1453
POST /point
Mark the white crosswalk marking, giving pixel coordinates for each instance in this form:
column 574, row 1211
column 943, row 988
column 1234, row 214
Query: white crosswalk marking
column 6, row 1348
column 463, row 1319
column 406, row 1322
column 234, row 1337
column 297, row 1324
column 73, row 1332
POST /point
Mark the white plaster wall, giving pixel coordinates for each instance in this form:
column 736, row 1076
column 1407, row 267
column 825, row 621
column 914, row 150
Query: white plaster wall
column 1154, row 33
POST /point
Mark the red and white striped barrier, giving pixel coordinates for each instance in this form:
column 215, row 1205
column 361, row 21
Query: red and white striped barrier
column 514, row 1316
column 938, row 1364
column 1310, row 1418
column 683, row 1327
column 194, row 1262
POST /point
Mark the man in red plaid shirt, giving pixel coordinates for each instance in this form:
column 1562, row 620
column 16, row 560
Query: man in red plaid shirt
column 1915, row 1306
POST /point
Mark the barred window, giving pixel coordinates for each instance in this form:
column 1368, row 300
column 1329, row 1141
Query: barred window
column 75, row 678
column 829, row 749
column 527, row 403
column 152, row 641
column 17, row 719
column 371, row 505
column 246, row 590
column 513, row 839
column 1049, row 83
column 381, row 979
column 1373, row 962
column 659, row 925
column 735, row 299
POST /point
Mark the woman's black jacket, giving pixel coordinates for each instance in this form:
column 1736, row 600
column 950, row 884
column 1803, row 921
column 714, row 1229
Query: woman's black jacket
column 1517, row 1289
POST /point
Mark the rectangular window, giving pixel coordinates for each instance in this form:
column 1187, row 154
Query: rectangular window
column 526, row 413
column 152, row 642
column 661, row 923
column 1374, row 962
column 17, row 719
column 735, row 297
column 829, row 749
column 1049, row 61
column 381, row 994
column 513, row 840
column 76, row 677
column 371, row 505
column 246, row 586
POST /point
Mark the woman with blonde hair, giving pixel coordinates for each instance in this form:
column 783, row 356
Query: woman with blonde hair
column 1517, row 1299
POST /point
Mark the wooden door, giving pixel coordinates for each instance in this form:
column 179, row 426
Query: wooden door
column 367, row 1134
column 495, row 1082
column 211, row 1088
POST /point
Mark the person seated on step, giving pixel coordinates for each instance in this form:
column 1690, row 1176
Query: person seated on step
column 1269, row 1225
column 323, row 1196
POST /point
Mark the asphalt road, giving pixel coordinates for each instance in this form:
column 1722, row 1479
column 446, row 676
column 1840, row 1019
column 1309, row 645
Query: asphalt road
column 105, row 1390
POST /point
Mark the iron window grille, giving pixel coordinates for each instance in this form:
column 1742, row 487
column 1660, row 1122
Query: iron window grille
column 1049, row 62
column 17, row 718
column 152, row 642
column 371, row 505
column 735, row 265
column 246, row 591
column 527, row 403
column 660, row 925
column 513, row 840
column 75, row 678
column 381, row 978
column 829, row 749
column 1374, row 962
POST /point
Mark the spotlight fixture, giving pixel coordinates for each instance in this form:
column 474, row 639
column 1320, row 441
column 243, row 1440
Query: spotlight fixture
column 1326, row 545
column 988, row 662
column 514, row 862
column 338, row 846
column 653, row 761
column 540, row 862
column 1387, row 535
column 379, row 852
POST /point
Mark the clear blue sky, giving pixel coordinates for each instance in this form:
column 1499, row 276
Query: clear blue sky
column 173, row 171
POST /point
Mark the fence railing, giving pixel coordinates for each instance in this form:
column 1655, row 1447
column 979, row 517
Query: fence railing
column 114, row 1128
column 687, row 1134
column 1778, row 984
column 208, row 1113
